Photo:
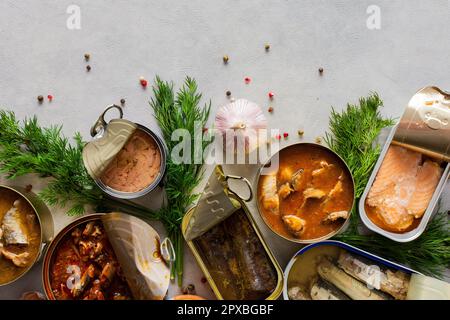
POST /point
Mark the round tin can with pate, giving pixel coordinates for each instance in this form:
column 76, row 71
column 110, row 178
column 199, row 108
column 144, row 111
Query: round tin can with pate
column 126, row 160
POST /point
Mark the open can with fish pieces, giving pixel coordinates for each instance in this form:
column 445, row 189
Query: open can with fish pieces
column 228, row 246
column 126, row 159
column 305, row 193
column 333, row 270
column 407, row 181
column 26, row 227
column 106, row 256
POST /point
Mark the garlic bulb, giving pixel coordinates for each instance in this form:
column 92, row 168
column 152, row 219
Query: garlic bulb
column 242, row 120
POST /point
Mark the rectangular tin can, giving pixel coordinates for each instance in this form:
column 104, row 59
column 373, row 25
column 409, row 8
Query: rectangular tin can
column 416, row 130
column 279, row 272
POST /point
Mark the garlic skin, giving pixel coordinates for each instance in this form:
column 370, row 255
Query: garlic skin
column 243, row 119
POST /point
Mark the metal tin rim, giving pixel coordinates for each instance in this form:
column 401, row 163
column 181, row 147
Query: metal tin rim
column 41, row 242
column 278, row 289
column 154, row 184
column 308, row 241
column 410, row 235
column 342, row 245
column 54, row 244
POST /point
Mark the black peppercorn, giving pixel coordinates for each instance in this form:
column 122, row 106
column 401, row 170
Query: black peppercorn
column 40, row 98
column 88, row 68
column 122, row 101
column 228, row 93
column 321, row 70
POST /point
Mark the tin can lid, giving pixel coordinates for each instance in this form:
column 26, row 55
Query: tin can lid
column 215, row 204
column 425, row 125
column 99, row 153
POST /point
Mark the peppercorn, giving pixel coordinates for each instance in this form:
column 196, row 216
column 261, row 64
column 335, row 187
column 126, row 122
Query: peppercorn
column 228, row 93
column 270, row 109
column 40, row 98
column 271, row 95
column 319, row 140
column 247, row 80
column 285, row 135
column 267, row 47
column 143, row 82
column 321, row 70
column 88, row 68
column 122, row 101
column 87, row 56
column 50, row 97
column 28, row 188
column 226, row 59
column 278, row 136
column 203, row 280
column 301, row 132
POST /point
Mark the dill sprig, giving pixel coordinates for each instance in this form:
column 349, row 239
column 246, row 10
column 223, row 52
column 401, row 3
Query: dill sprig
column 174, row 112
column 352, row 135
column 30, row 148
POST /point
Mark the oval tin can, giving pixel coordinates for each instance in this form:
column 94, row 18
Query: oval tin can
column 376, row 259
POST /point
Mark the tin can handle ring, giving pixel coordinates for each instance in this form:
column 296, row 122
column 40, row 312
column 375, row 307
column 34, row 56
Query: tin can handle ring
column 101, row 124
column 250, row 197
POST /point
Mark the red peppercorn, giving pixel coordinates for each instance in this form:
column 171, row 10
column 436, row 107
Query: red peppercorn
column 247, row 80
column 203, row 280
column 278, row 136
column 143, row 82
column 285, row 135
column 50, row 97
column 271, row 95
column 270, row 109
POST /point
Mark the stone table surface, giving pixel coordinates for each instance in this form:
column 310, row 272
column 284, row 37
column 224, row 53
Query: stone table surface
column 43, row 45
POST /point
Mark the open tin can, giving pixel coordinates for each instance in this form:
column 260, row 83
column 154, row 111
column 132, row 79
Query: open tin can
column 127, row 160
column 125, row 253
column 308, row 153
column 423, row 130
column 228, row 246
column 334, row 270
column 32, row 218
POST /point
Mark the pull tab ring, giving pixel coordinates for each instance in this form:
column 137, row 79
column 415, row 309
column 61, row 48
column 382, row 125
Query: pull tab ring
column 100, row 124
column 250, row 197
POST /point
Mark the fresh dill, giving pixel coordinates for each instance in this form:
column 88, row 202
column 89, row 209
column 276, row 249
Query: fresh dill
column 352, row 135
column 173, row 112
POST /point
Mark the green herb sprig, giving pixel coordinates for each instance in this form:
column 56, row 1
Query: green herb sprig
column 174, row 112
column 352, row 135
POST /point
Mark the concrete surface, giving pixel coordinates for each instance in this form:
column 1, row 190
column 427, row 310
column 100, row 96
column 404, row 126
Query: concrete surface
column 128, row 39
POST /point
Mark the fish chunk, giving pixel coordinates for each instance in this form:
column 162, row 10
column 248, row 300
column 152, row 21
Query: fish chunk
column 396, row 177
column 294, row 224
column 347, row 284
column 269, row 198
column 20, row 260
column 298, row 293
column 14, row 231
column 334, row 216
column 394, row 187
column 285, row 190
column 299, row 180
column 428, row 178
column 323, row 290
column 312, row 193
column 395, row 283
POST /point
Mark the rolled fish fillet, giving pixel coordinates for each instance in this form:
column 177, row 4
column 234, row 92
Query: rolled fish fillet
column 394, row 283
column 355, row 289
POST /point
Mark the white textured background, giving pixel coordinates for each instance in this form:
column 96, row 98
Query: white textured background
column 129, row 39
